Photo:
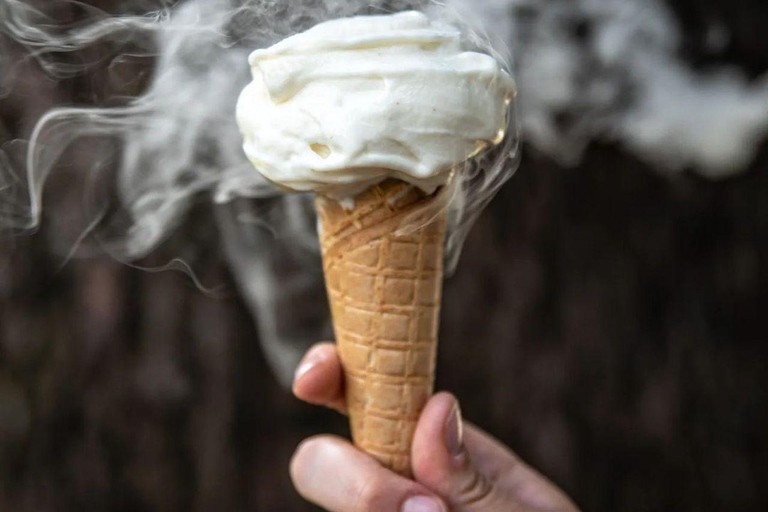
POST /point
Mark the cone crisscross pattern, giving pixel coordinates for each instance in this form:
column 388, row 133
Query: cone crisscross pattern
column 384, row 288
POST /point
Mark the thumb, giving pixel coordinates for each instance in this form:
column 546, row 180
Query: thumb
column 441, row 463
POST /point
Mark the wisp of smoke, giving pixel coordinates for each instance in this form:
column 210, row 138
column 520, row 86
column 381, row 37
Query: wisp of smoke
column 611, row 70
column 46, row 38
column 178, row 142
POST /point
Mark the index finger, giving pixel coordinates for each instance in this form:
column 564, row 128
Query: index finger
column 319, row 379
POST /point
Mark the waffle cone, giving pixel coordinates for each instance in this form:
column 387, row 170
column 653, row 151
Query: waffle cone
column 384, row 286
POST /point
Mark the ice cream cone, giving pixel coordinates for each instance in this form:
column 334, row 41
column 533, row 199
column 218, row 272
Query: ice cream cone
column 384, row 287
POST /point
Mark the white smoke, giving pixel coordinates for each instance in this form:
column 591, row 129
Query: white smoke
column 178, row 143
column 611, row 70
column 588, row 70
column 32, row 23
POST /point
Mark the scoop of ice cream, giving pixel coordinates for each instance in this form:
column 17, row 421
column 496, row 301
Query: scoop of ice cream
column 353, row 101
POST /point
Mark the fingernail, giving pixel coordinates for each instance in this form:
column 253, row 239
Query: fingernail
column 454, row 432
column 422, row 504
column 309, row 362
column 303, row 368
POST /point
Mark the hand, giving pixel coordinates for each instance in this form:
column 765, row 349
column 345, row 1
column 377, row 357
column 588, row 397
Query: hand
column 456, row 466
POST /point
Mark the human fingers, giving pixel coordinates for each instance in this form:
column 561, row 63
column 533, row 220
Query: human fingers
column 319, row 379
column 505, row 469
column 331, row 473
column 442, row 463
column 473, row 472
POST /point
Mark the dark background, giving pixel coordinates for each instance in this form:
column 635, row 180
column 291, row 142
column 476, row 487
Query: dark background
column 606, row 322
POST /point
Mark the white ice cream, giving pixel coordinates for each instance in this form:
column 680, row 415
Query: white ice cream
column 353, row 101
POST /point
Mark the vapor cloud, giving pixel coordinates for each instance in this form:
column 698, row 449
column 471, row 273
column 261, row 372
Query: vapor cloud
column 587, row 70
column 596, row 70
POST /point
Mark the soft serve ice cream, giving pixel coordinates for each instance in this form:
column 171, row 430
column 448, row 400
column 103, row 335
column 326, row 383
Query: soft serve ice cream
column 353, row 101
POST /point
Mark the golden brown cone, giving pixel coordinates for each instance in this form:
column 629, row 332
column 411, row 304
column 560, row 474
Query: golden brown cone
column 384, row 289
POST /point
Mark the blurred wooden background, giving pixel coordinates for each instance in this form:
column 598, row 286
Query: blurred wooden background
column 606, row 322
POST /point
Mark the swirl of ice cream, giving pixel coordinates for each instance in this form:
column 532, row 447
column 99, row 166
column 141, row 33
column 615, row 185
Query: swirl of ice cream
column 353, row 101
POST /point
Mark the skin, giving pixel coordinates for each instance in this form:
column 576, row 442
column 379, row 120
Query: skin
column 457, row 467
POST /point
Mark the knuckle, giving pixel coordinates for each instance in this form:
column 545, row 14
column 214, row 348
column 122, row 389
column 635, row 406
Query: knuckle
column 476, row 490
